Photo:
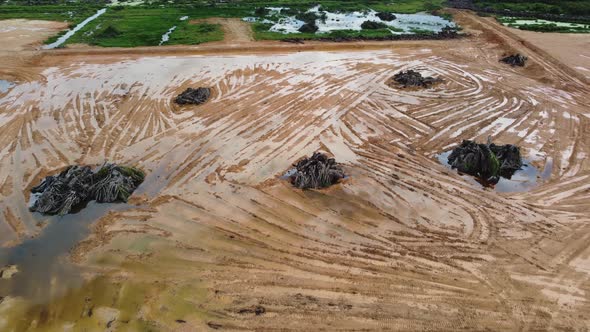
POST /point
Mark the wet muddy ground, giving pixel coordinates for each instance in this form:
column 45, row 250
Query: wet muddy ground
column 214, row 234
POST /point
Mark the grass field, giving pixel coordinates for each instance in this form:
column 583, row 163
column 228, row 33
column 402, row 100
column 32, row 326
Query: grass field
column 567, row 7
column 73, row 13
column 139, row 26
column 544, row 25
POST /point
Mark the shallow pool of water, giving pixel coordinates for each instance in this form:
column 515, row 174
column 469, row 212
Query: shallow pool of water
column 404, row 23
column 44, row 269
column 523, row 180
column 166, row 36
column 5, row 86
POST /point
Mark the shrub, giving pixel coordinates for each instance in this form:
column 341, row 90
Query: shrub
column 372, row 25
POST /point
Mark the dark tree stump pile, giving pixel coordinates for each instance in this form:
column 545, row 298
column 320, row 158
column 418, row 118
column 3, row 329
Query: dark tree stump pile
column 193, row 96
column 77, row 185
column 515, row 60
column 319, row 171
column 488, row 162
column 412, row 78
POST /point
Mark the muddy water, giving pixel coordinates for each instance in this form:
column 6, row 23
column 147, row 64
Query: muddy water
column 525, row 179
column 44, row 267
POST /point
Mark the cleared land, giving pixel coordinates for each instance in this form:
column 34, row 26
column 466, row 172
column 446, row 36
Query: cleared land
column 571, row 49
column 213, row 234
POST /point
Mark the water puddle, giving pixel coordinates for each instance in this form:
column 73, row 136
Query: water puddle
column 166, row 36
column 331, row 21
column 70, row 33
column 44, row 269
column 523, row 180
column 5, row 86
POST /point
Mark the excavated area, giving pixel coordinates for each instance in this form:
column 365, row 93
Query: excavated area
column 215, row 239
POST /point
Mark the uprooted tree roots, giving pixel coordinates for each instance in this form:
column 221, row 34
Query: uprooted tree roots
column 319, row 171
column 193, row 96
column 412, row 78
column 515, row 60
column 77, row 185
column 489, row 161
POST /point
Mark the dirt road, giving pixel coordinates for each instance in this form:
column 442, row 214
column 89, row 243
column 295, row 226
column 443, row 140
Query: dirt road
column 215, row 240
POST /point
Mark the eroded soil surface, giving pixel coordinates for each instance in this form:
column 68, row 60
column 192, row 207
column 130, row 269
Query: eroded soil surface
column 215, row 235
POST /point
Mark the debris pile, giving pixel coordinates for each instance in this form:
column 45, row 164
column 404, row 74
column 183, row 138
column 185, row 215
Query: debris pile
column 489, row 162
column 412, row 78
column 77, row 185
column 193, row 96
column 509, row 157
column 386, row 16
column 515, row 60
column 319, row 171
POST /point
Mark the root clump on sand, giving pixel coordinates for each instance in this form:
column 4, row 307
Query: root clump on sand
column 489, row 161
column 77, row 185
column 515, row 60
column 193, row 96
column 412, row 78
column 319, row 171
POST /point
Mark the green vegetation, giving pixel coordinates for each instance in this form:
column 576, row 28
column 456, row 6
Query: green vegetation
column 373, row 25
column 74, row 13
column 141, row 26
column 566, row 7
column 144, row 24
column 544, row 25
column 195, row 34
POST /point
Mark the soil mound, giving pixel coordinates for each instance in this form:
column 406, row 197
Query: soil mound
column 77, row 185
column 193, row 96
column 412, row 78
column 486, row 161
column 319, row 171
column 515, row 60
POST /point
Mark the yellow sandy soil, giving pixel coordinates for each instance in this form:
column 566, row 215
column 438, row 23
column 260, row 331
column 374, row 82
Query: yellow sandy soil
column 403, row 244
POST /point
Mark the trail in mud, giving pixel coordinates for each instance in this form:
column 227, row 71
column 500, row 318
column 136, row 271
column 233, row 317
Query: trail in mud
column 404, row 237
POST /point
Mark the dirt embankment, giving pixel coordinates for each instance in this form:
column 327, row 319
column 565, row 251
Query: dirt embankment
column 216, row 236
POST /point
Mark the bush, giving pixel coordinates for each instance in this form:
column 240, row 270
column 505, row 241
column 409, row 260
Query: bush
column 109, row 32
column 372, row 25
column 309, row 27
column 307, row 17
column 261, row 11
column 386, row 16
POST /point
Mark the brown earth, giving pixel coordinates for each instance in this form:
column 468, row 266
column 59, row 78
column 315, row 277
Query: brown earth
column 404, row 244
column 573, row 49
column 19, row 34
